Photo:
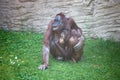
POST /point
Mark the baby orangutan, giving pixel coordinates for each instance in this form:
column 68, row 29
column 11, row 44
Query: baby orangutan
column 63, row 39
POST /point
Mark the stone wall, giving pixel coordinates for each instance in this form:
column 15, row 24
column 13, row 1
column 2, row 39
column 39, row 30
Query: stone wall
column 107, row 19
column 97, row 18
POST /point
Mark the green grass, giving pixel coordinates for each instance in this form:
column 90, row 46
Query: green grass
column 21, row 54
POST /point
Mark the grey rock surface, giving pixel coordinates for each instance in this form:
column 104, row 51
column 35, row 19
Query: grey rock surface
column 97, row 18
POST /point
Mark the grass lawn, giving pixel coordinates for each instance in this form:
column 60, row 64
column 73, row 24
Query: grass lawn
column 21, row 54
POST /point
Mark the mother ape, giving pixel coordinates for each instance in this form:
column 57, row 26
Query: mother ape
column 63, row 39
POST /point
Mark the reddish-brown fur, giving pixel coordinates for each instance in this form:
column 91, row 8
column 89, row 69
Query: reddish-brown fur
column 69, row 47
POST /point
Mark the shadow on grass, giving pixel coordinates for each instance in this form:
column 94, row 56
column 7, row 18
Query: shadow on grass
column 21, row 54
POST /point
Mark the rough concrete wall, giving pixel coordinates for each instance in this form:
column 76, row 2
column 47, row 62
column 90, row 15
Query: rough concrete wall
column 19, row 14
column 97, row 18
column 107, row 19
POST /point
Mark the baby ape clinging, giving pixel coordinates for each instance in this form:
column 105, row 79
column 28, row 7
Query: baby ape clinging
column 63, row 39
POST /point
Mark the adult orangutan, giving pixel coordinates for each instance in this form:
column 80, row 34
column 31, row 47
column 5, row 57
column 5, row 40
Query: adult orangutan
column 63, row 39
